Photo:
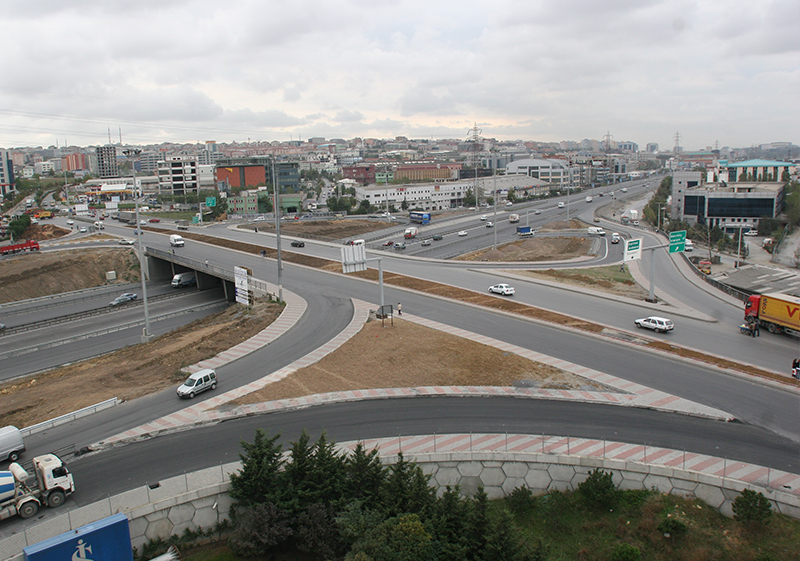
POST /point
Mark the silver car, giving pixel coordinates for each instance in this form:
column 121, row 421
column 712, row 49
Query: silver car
column 200, row 381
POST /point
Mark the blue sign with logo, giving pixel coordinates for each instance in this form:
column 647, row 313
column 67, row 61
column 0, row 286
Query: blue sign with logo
column 108, row 539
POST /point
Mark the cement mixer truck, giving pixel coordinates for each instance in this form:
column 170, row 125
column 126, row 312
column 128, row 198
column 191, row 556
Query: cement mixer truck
column 22, row 493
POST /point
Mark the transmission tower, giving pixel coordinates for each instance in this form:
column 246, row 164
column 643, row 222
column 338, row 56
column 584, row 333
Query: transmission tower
column 608, row 138
column 677, row 138
column 475, row 138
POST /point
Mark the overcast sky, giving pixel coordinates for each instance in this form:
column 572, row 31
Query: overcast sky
column 196, row 70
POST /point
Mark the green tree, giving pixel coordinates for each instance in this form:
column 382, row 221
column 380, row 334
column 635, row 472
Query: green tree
column 512, row 196
column 598, row 491
column 751, row 507
column 406, row 489
column 469, row 197
column 18, row 226
column 403, row 538
column 259, row 529
column 364, row 476
column 264, row 203
column 256, row 482
column 450, row 520
column 404, row 204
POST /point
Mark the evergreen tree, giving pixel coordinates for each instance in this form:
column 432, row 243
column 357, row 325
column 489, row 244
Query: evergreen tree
column 364, row 476
column 450, row 521
column 261, row 462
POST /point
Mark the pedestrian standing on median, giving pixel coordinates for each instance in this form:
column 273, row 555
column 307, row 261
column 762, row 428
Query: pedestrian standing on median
column 399, row 309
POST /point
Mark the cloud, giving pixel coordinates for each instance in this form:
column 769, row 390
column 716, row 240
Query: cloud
column 641, row 70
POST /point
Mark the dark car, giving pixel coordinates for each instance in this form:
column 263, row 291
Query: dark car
column 298, row 244
column 124, row 299
column 437, row 237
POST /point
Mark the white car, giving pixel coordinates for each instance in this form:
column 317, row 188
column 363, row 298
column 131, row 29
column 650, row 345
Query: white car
column 70, row 222
column 200, row 381
column 751, row 233
column 509, row 203
column 560, row 205
column 537, row 211
column 462, row 233
column 259, row 219
column 83, row 229
column 655, row 323
column 490, row 224
column 126, row 241
column 505, row 289
column 484, row 217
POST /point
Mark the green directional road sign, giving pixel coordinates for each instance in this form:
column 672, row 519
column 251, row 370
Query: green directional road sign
column 677, row 241
column 211, row 201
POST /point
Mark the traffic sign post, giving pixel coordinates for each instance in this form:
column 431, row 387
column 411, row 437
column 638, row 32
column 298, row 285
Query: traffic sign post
column 677, row 241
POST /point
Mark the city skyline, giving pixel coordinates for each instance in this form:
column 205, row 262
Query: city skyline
column 192, row 70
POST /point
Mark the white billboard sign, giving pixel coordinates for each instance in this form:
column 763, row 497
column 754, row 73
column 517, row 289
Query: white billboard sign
column 241, row 276
column 633, row 249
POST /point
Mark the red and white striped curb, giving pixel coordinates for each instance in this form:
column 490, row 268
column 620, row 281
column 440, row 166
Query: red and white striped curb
column 589, row 448
column 294, row 310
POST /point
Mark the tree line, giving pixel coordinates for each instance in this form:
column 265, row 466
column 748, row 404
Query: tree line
column 336, row 506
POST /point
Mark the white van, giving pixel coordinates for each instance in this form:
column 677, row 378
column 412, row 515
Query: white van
column 176, row 241
column 560, row 205
column 99, row 225
column 594, row 231
column 11, row 445
column 588, row 198
column 615, row 237
column 358, row 242
column 198, row 382
column 689, row 246
column 183, row 279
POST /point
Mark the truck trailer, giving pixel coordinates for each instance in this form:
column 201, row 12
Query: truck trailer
column 22, row 494
column 410, row 233
column 777, row 313
column 20, row 247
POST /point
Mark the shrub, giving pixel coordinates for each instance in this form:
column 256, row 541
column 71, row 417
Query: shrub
column 626, row 552
column 751, row 507
column 521, row 501
column 674, row 527
column 598, row 491
column 258, row 530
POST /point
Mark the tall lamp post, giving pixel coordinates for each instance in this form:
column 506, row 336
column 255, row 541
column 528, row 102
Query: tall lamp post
column 146, row 335
column 276, row 210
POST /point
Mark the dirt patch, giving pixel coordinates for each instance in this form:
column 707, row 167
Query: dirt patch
column 131, row 372
column 604, row 279
column 411, row 355
column 330, row 230
column 32, row 275
column 533, row 249
column 41, row 232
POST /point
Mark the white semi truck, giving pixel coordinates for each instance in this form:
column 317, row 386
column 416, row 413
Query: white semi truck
column 22, row 493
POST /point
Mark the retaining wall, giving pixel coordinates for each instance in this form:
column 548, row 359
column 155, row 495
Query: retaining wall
column 200, row 500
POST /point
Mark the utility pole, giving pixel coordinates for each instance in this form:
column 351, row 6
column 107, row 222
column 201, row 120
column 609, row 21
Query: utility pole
column 146, row 334
column 276, row 211
column 475, row 139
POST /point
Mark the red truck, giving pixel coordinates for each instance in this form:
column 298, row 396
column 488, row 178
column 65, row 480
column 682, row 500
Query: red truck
column 21, row 247
column 778, row 313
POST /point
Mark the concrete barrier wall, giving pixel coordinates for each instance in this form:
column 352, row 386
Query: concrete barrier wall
column 200, row 499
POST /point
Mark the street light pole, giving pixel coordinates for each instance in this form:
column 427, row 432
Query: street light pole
column 146, row 334
column 276, row 210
